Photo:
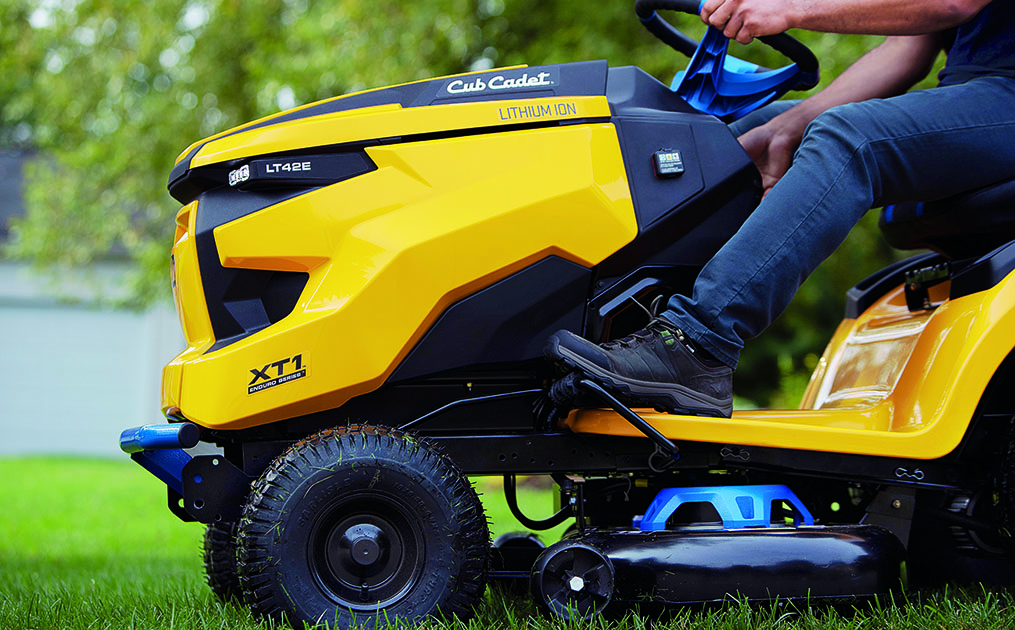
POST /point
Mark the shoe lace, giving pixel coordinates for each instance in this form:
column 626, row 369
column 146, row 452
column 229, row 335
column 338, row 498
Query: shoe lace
column 654, row 308
column 652, row 311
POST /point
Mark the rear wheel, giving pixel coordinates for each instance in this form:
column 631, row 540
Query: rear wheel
column 362, row 524
column 514, row 553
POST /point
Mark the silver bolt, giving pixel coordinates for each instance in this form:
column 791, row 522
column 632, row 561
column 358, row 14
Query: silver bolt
column 576, row 583
column 896, row 504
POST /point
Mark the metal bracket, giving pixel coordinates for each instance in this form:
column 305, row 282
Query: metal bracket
column 214, row 489
column 175, row 501
column 919, row 282
column 893, row 508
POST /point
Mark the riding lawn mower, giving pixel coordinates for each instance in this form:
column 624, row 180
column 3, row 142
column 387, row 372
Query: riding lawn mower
column 366, row 284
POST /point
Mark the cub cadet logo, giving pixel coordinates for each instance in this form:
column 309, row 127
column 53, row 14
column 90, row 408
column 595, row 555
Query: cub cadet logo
column 499, row 82
column 240, row 175
column 277, row 373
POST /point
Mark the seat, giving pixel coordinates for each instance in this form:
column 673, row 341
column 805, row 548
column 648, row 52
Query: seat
column 966, row 225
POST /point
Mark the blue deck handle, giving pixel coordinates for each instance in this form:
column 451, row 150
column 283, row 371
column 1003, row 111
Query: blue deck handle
column 738, row 506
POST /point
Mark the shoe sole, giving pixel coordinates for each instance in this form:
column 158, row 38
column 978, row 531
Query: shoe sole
column 673, row 398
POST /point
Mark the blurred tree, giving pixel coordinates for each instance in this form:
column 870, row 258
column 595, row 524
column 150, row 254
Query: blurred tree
column 110, row 91
column 20, row 61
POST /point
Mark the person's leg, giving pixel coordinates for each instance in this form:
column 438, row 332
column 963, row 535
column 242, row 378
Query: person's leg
column 922, row 145
column 919, row 146
column 759, row 117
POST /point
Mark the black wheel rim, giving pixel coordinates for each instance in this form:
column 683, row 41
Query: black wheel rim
column 576, row 582
column 366, row 552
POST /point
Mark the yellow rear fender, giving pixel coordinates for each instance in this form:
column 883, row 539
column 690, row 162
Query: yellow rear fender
column 890, row 383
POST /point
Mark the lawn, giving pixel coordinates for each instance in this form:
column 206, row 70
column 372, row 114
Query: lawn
column 89, row 543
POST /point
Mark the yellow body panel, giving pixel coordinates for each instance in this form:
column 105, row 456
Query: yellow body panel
column 267, row 119
column 388, row 251
column 385, row 121
column 187, row 289
column 939, row 364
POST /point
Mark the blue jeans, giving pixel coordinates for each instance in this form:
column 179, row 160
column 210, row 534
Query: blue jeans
column 920, row 146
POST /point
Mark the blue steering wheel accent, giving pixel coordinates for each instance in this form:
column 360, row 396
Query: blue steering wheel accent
column 717, row 83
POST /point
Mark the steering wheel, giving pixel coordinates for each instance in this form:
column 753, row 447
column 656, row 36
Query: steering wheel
column 720, row 84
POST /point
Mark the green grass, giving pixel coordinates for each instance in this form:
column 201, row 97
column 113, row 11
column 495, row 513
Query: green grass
column 89, row 544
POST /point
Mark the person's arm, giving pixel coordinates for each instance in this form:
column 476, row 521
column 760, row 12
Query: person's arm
column 888, row 70
column 743, row 20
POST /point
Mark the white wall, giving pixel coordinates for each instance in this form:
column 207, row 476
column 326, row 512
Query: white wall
column 72, row 376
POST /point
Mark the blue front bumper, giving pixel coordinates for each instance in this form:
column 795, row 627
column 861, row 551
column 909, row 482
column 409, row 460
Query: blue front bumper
column 159, row 449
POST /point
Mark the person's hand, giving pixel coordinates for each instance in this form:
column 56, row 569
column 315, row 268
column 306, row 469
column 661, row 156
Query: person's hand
column 743, row 20
column 771, row 147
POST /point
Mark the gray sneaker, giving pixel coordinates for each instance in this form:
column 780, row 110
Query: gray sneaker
column 657, row 366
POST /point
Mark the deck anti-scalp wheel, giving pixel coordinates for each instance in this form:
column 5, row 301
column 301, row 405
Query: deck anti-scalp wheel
column 514, row 553
column 572, row 580
column 362, row 524
column 220, row 561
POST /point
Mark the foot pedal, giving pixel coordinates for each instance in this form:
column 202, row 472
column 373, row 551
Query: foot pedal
column 663, row 444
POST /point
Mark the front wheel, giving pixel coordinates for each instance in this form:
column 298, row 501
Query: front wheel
column 362, row 524
column 220, row 560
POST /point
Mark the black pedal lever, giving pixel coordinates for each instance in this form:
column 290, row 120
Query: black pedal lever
column 660, row 440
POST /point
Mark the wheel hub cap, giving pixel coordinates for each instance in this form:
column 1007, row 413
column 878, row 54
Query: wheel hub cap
column 364, row 543
column 576, row 583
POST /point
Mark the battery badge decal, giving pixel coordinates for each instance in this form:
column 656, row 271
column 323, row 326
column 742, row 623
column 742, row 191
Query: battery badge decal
column 667, row 163
column 278, row 372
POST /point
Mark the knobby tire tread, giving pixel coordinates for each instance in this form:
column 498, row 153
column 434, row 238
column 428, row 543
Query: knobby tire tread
column 220, row 561
column 258, row 518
